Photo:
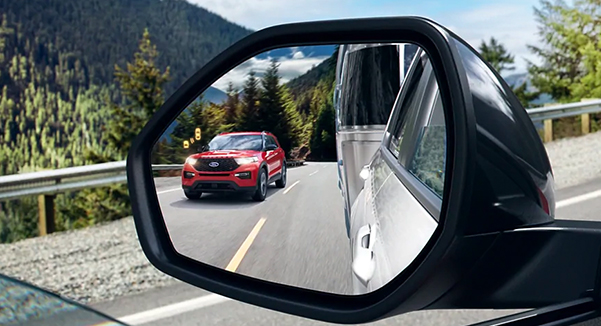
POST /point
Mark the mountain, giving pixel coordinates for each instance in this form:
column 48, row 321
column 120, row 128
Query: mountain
column 310, row 79
column 516, row 80
column 214, row 95
column 102, row 33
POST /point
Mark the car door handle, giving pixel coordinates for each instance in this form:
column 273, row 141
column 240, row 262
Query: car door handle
column 363, row 255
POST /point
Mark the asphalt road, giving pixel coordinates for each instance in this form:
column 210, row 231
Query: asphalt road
column 296, row 236
column 301, row 242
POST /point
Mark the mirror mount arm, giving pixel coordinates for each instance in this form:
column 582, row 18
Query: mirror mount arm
column 532, row 267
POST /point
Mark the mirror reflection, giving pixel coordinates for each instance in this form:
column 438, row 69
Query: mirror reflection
column 320, row 167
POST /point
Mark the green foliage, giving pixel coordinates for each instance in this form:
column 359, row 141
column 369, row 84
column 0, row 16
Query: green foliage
column 59, row 106
column 248, row 114
column 291, row 136
column 142, row 88
column 272, row 114
column 568, row 33
column 323, row 138
column 56, row 78
column 104, row 33
column 262, row 104
column 571, row 62
column 589, row 18
column 54, row 117
column 232, row 104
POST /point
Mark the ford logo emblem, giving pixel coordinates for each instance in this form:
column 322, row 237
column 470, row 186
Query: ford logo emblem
column 214, row 164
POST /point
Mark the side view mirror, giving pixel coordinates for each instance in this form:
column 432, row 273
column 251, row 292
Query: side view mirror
column 457, row 208
column 271, row 147
column 202, row 148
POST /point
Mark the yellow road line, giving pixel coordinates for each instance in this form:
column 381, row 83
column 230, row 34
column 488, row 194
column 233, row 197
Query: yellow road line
column 237, row 259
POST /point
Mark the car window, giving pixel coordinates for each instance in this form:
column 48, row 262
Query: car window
column 428, row 160
column 271, row 141
column 419, row 138
column 411, row 102
column 236, row 142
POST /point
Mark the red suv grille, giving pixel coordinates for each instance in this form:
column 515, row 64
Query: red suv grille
column 224, row 164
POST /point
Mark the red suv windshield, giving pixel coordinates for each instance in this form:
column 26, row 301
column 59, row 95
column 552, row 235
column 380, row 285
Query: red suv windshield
column 237, row 142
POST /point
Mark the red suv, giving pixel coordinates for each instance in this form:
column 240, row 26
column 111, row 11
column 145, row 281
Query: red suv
column 236, row 162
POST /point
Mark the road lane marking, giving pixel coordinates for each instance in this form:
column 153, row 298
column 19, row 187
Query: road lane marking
column 578, row 199
column 235, row 262
column 214, row 299
column 173, row 309
column 294, row 184
column 168, row 190
column 313, row 173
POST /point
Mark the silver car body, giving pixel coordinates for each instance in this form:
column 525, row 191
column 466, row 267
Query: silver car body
column 394, row 201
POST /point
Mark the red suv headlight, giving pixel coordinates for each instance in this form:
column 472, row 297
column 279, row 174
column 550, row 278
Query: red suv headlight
column 246, row 160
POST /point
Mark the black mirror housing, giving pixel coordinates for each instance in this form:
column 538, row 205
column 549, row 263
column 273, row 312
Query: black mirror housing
column 470, row 229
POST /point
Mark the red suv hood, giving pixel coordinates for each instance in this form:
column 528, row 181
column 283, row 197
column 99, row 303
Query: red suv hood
column 225, row 153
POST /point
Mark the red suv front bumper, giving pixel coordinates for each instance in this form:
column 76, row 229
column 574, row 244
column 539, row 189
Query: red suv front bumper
column 200, row 178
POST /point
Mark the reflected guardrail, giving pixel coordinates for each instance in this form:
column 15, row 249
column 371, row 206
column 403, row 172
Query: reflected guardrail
column 46, row 184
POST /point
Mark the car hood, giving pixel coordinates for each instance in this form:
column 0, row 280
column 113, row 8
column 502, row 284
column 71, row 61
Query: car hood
column 225, row 154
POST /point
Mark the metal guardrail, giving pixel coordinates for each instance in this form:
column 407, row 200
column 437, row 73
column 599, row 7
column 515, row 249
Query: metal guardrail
column 62, row 180
column 46, row 184
column 552, row 112
column 557, row 111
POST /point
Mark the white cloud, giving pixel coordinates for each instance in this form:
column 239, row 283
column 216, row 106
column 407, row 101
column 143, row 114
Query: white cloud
column 298, row 55
column 510, row 21
column 511, row 24
column 258, row 14
column 288, row 69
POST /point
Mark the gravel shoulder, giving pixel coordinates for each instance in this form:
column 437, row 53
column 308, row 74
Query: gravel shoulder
column 88, row 265
column 575, row 160
column 104, row 262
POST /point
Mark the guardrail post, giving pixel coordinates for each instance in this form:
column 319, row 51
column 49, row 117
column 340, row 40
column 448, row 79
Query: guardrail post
column 46, row 214
column 548, row 130
column 586, row 123
column 548, row 127
column 585, row 119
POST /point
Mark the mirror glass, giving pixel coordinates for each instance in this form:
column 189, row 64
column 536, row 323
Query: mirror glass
column 320, row 167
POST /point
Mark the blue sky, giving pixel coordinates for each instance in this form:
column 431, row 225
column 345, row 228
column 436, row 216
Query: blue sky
column 510, row 21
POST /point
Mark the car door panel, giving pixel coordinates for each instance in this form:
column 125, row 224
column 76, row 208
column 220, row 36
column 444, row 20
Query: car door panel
column 400, row 216
column 386, row 204
column 272, row 157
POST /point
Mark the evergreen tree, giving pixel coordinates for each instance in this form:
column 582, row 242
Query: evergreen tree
column 588, row 20
column 323, row 138
column 565, row 32
column 101, row 34
column 496, row 54
column 291, row 134
column 50, row 114
column 141, row 85
column 232, row 104
column 247, row 119
column 270, row 113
